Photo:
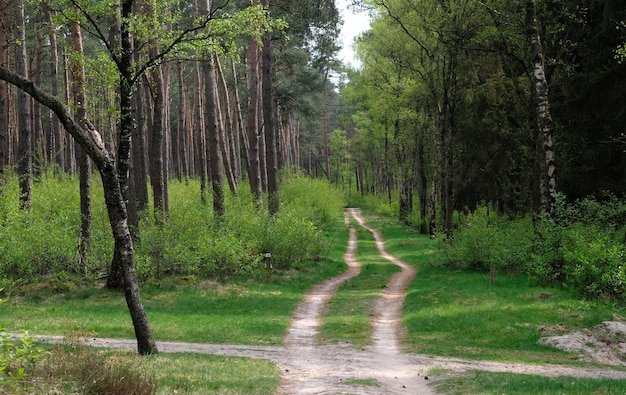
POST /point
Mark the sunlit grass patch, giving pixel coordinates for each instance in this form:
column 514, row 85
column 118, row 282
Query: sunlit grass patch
column 478, row 382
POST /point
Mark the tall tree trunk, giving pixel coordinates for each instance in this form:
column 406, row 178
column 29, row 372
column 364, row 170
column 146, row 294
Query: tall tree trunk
column 447, row 136
column 405, row 209
column 138, row 183
column 242, row 141
column 92, row 143
column 123, row 260
column 126, row 129
column 156, row 144
column 4, row 90
column 182, row 146
column 82, row 159
column 214, row 153
column 24, row 148
column 269, row 121
column 227, row 129
column 212, row 127
column 422, row 188
column 200, row 134
column 199, row 117
column 38, row 136
column 56, row 138
column 325, row 128
column 69, row 157
column 544, row 123
column 252, row 125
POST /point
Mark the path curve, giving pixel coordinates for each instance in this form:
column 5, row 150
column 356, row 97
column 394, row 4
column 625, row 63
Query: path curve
column 309, row 313
column 326, row 370
column 382, row 369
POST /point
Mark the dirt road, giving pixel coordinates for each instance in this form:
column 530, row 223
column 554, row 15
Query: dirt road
column 310, row 368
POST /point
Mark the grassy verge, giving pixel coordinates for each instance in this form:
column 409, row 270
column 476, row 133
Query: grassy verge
column 77, row 369
column 479, row 383
column 178, row 309
column 461, row 314
column 349, row 309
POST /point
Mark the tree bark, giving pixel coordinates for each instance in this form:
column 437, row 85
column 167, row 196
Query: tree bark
column 24, row 148
column 544, row 123
column 156, row 144
column 55, row 147
column 92, row 143
column 82, row 159
column 214, row 153
column 182, row 146
column 227, row 142
column 240, row 137
column 269, row 121
column 252, row 125
column 38, row 149
column 126, row 129
column 4, row 90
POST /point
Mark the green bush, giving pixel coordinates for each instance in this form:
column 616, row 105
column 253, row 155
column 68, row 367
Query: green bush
column 320, row 202
column 45, row 240
column 582, row 248
column 15, row 360
column 485, row 240
column 189, row 242
column 594, row 263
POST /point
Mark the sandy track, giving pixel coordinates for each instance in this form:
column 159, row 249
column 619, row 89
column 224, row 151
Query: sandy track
column 309, row 368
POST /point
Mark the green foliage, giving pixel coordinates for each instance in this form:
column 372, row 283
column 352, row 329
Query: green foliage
column 594, row 263
column 44, row 241
column 317, row 198
column 581, row 248
column 15, row 360
column 190, row 243
column 484, row 240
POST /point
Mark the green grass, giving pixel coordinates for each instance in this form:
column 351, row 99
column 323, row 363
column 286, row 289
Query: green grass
column 197, row 311
column 459, row 313
column 77, row 369
column 350, row 308
column 453, row 313
column 479, row 383
column 179, row 309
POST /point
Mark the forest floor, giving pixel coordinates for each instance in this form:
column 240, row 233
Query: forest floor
column 383, row 368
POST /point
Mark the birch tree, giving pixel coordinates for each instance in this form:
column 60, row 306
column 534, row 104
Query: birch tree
column 544, row 123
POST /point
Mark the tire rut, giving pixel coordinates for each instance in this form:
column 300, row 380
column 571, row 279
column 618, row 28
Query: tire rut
column 381, row 369
column 335, row 369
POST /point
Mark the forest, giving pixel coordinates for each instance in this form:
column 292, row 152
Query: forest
column 140, row 139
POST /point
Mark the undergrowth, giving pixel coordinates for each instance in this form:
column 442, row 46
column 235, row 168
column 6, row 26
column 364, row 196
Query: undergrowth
column 44, row 241
column 581, row 248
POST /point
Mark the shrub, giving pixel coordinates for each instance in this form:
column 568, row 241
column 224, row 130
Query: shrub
column 582, row 248
column 486, row 240
column 594, row 263
column 15, row 360
column 45, row 240
column 321, row 203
